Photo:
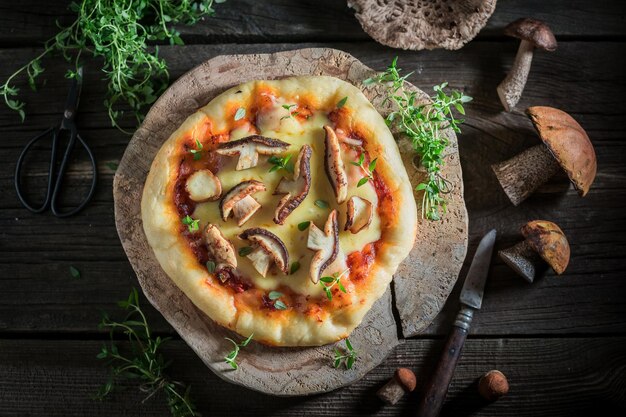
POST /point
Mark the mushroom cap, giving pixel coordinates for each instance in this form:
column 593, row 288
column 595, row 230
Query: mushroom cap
column 297, row 189
column 409, row 24
column 406, row 378
column 569, row 144
column 238, row 193
column 532, row 30
column 549, row 241
column 271, row 244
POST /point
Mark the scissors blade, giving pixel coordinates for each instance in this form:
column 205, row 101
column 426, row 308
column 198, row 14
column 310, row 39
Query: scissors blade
column 73, row 97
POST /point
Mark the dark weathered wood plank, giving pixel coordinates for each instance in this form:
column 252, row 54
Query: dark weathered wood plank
column 31, row 22
column 553, row 377
column 587, row 299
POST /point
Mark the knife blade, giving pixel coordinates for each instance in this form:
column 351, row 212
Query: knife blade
column 471, row 299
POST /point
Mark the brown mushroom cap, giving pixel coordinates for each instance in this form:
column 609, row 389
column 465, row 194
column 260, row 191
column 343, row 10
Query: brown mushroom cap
column 534, row 31
column 423, row 25
column 325, row 244
column 238, row 193
column 406, row 378
column 249, row 149
column 271, row 244
column 297, row 189
column 569, row 144
column 220, row 248
column 333, row 165
column 549, row 241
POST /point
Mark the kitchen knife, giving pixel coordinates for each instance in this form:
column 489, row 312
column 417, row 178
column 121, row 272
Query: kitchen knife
column 471, row 299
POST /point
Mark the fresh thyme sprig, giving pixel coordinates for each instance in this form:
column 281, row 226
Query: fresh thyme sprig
column 290, row 114
column 197, row 153
column 280, row 162
column 231, row 358
column 368, row 171
column 347, row 357
column 278, row 303
column 328, row 283
column 144, row 363
column 118, row 32
column 192, row 224
column 424, row 124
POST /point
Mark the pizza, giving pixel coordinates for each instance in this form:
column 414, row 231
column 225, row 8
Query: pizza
column 282, row 209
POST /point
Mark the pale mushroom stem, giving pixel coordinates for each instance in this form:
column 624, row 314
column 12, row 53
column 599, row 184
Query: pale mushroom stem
column 510, row 89
column 522, row 259
column 521, row 175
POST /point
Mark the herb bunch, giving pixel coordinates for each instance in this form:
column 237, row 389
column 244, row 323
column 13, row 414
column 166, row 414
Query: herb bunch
column 327, row 283
column 369, row 170
column 424, row 125
column 118, row 32
column 144, row 363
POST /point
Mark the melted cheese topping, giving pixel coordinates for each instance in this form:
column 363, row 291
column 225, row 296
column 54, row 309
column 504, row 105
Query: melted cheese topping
column 271, row 122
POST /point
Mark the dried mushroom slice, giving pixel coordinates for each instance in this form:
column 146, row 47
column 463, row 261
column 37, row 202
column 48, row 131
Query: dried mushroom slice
column 268, row 250
column 326, row 245
column 333, row 164
column 219, row 247
column 358, row 214
column 239, row 201
column 203, row 186
column 412, row 24
column 249, row 148
column 295, row 190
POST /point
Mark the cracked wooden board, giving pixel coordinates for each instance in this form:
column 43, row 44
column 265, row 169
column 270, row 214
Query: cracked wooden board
column 278, row 371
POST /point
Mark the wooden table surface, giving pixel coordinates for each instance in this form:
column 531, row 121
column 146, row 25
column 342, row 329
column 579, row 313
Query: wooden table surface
column 561, row 340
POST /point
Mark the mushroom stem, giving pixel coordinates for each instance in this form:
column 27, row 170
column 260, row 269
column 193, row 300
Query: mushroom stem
column 522, row 259
column 521, row 175
column 510, row 89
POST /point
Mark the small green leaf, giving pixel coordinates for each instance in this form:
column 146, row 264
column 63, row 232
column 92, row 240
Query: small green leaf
column 372, row 165
column 246, row 250
column 247, row 341
column 303, row 226
column 210, row 266
column 275, row 295
column 112, row 165
column 341, row 287
column 74, row 272
column 279, row 305
column 350, row 362
column 240, row 114
column 349, row 345
column 294, row 267
column 342, row 102
column 327, row 279
column 321, row 204
column 362, row 181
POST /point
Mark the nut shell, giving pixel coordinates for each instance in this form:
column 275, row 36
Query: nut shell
column 493, row 385
column 549, row 241
column 569, row 144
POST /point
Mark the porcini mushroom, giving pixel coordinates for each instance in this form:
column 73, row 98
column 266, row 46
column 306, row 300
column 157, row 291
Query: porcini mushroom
column 410, row 24
column 358, row 214
column 219, row 247
column 333, row 164
column 240, row 202
column 325, row 244
column 249, row 149
column 403, row 381
column 543, row 240
column 202, row 186
column 533, row 34
column 268, row 249
column 295, row 190
column 567, row 146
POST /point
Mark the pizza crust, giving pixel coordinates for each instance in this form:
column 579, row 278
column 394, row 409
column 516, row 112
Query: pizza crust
column 161, row 221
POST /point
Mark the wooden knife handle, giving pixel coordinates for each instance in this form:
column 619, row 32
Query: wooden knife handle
column 437, row 388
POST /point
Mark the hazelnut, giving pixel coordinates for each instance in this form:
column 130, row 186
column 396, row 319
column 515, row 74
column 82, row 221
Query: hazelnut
column 493, row 385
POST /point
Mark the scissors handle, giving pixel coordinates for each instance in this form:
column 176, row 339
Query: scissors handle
column 55, row 182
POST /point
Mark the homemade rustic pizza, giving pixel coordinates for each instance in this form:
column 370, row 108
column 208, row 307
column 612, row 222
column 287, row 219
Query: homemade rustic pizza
column 282, row 209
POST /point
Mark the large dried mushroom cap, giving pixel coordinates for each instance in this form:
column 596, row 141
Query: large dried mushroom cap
column 534, row 31
column 249, row 148
column 219, row 247
column 326, row 245
column 423, row 24
column 238, row 200
column 297, row 189
column 549, row 241
column 333, row 164
column 268, row 250
column 569, row 144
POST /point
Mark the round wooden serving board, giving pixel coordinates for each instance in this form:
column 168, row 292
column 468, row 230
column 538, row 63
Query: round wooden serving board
column 422, row 283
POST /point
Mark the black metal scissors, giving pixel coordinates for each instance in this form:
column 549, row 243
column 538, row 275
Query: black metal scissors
column 56, row 175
